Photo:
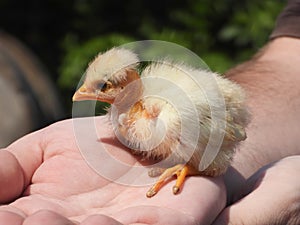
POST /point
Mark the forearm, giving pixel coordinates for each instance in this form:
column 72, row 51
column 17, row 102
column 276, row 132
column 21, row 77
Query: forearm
column 272, row 82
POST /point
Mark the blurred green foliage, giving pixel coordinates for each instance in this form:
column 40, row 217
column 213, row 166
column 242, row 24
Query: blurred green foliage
column 68, row 34
column 78, row 55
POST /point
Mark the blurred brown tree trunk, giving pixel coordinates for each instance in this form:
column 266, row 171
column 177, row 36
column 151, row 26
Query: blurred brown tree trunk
column 28, row 100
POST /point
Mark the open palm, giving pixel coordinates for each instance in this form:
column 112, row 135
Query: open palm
column 46, row 178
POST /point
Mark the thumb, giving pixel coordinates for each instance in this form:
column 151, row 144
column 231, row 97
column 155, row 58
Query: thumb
column 248, row 211
column 271, row 199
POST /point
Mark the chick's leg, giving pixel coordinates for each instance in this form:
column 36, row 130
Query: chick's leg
column 180, row 170
column 181, row 174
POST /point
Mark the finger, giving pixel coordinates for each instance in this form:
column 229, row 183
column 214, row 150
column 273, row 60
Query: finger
column 100, row 219
column 239, row 213
column 269, row 201
column 11, row 177
column 28, row 152
column 262, row 206
column 47, row 217
column 10, row 218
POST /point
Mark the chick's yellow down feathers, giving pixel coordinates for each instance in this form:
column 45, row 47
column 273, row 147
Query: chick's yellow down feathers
column 171, row 112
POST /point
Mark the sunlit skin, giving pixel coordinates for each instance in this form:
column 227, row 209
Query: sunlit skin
column 50, row 165
column 59, row 185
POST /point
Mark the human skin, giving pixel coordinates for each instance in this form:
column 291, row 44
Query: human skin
column 270, row 196
column 272, row 83
column 61, row 188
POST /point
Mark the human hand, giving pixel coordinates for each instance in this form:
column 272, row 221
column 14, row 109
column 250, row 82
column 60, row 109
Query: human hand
column 44, row 179
column 271, row 196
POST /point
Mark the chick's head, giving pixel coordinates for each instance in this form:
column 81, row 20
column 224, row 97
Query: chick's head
column 107, row 75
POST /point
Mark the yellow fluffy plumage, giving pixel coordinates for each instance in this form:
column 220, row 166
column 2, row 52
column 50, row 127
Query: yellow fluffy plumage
column 172, row 111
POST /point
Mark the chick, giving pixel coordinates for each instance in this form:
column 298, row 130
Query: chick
column 108, row 75
column 167, row 113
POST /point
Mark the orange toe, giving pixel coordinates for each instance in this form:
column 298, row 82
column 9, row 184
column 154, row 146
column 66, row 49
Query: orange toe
column 180, row 170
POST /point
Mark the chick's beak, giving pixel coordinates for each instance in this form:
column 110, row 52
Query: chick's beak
column 84, row 94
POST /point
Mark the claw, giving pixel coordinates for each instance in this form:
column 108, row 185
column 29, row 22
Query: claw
column 175, row 190
column 181, row 174
column 155, row 188
column 180, row 170
column 151, row 193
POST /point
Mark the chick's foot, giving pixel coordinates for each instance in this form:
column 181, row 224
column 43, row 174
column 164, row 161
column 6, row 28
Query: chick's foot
column 180, row 170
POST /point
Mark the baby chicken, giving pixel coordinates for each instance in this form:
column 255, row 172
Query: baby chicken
column 170, row 113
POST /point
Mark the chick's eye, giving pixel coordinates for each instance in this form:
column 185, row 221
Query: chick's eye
column 103, row 86
column 100, row 85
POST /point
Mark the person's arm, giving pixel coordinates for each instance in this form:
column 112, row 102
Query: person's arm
column 272, row 83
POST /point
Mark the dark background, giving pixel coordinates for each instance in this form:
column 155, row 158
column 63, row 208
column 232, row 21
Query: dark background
column 66, row 34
